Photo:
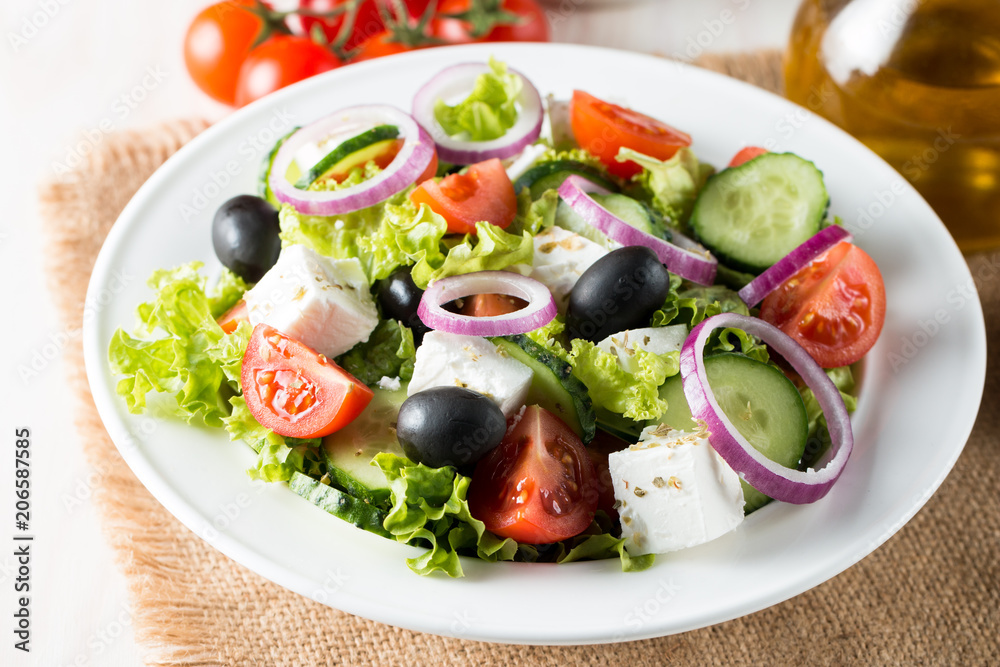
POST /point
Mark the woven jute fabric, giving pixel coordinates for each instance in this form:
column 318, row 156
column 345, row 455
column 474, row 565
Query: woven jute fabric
column 930, row 595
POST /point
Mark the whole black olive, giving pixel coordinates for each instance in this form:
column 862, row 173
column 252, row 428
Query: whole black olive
column 245, row 236
column 449, row 426
column 399, row 297
column 619, row 291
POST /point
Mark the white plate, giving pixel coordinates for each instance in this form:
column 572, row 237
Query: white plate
column 921, row 393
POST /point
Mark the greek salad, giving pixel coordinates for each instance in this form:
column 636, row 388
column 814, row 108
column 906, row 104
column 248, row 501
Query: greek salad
column 520, row 329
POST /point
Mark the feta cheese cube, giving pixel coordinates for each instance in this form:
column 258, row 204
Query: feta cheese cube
column 560, row 259
column 658, row 340
column 674, row 491
column 324, row 303
column 449, row 360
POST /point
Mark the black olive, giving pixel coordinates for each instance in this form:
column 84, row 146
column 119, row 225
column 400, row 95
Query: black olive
column 619, row 291
column 245, row 235
column 449, row 426
column 399, row 297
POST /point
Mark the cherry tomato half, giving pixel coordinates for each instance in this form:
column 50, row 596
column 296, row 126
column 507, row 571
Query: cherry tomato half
column 603, row 128
column 483, row 193
column 491, row 305
column 279, row 62
column 538, row 485
column 295, row 391
column 747, row 154
column 216, row 44
column 232, row 317
column 834, row 307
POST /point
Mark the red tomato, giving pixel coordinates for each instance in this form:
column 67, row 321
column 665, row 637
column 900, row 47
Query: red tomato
column 747, row 154
column 483, row 193
column 232, row 317
column 217, row 42
column 834, row 307
column 538, row 485
column 491, row 305
column 296, row 392
column 603, row 128
column 279, row 62
column 367, row 22
column 381, row 45
column 603, row 444
column 531, row 25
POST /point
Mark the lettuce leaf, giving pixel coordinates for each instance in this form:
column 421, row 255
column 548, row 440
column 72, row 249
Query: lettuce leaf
column 429, row 507
column 179, row 349
column 634, row 395
column 407, row 234
column 226, row 292
column 534, row 216
column 493, row 249
column 389, row 352
column 672, row 186
column 489, row 110
column 277, row 456
column 549, row 337
column 819, row 437
column 576, row 155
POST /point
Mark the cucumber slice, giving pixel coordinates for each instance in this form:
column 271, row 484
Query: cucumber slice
column 550, row 175
column 753, row 215
column 632, row 212
column 775, row 424
column 552, row 386
column 264, row 176
column 351, row 153
column 349, row 452
column 339, row 504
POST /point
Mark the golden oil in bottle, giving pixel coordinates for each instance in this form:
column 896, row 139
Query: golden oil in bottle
column 918, row 81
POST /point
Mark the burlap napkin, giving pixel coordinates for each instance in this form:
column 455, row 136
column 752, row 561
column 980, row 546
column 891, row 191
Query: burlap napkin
column 930, row 595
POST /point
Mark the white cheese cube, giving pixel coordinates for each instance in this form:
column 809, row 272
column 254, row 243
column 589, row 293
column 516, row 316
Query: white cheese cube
column 658, row 340
column 674, row 491
column 560, row 259
column 450, row 360
column 324, row 303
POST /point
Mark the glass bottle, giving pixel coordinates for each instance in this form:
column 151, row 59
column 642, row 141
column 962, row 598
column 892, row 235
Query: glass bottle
column 918, row 81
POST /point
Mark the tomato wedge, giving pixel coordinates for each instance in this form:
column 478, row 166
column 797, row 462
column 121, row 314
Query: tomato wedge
column 232, row 317
column 295, row 391
column 747, row 154
column 538, row 485
column 491, row 305
column 834, row 307
column 483, row 193
column 603, row 128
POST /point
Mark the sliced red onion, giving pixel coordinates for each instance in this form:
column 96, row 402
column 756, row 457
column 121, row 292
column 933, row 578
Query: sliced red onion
column 540, row 309
column 457, row 81
column 405, row 168
column 760, row 472
column 684, row 257
column 786, row 267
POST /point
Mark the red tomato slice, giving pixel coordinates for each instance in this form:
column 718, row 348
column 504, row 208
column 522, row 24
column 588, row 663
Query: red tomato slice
column 294, row 391
column 747, row 154
column 834, row 307
column 483, row 193
column 603, row 128
column 232, row 317
column 538, row 485
column 491, row 305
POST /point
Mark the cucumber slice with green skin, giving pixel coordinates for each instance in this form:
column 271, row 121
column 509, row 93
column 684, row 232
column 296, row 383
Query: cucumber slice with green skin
column 340, row 504
column 633, row 212
column 264, row 176
column 753, row 215
column 351, row 153
column 553, row 385
column 550, row 175
column 763, row 405
column 348, row 453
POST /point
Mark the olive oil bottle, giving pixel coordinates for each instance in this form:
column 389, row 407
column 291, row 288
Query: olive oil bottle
column 918, row 81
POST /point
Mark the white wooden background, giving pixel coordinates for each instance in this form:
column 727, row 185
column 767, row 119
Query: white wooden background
column 76, row 59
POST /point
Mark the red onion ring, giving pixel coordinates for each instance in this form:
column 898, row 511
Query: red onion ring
column 540, row 310
column 405, row 168
column 760, row 472
column 786, row 267
column 459, row 79
column 685, row 257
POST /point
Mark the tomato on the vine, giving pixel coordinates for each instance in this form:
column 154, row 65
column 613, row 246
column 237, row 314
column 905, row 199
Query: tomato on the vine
column 217, row 42
column 834, row 307
column 530, row 24
column 367, row 22
column 379, row 45
column 279, row 62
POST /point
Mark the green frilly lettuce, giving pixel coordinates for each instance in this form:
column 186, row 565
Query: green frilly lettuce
column 489, row 110
column 670, row 186
column 277, row 456
column 388, row 352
